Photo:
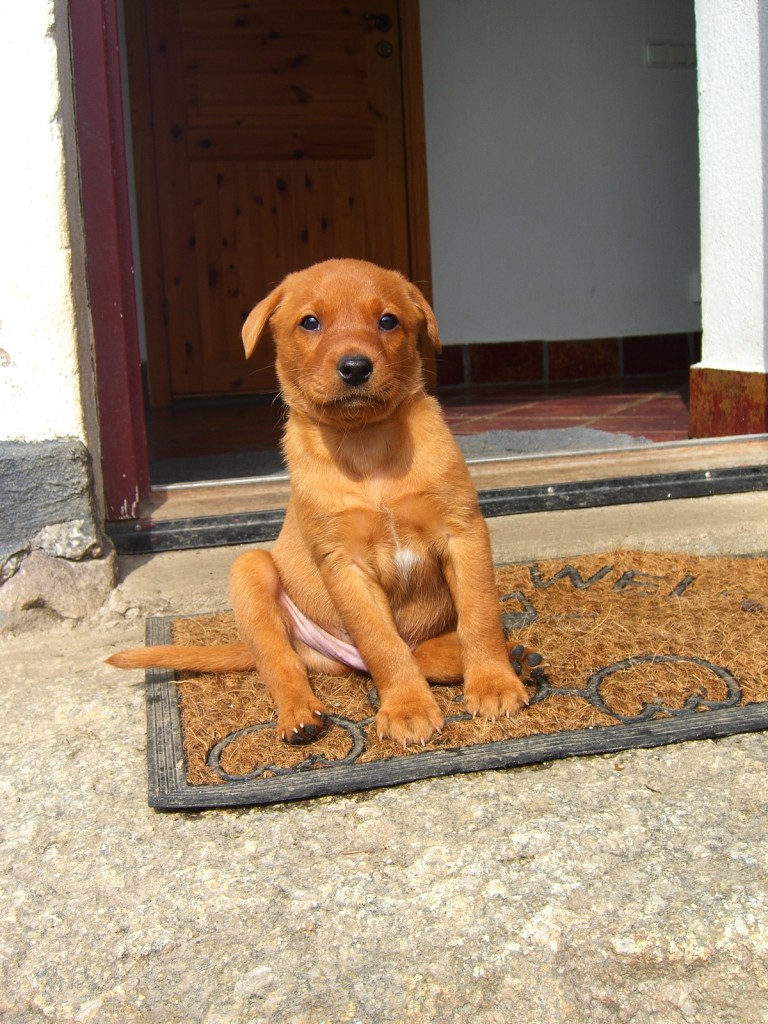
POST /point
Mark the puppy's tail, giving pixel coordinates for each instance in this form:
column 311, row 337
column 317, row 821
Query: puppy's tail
column 221, row 658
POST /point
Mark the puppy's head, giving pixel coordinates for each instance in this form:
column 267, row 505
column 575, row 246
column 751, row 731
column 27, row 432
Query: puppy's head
column 346, row 334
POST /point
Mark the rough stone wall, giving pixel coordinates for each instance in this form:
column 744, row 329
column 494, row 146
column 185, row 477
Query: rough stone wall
column 55, row 560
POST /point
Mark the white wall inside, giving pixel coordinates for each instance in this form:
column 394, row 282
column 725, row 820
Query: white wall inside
column 39, row 361
column 733, row 68
column 563, row 172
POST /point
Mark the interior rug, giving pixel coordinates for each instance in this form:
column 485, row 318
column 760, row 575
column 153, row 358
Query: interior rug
column 638, row 650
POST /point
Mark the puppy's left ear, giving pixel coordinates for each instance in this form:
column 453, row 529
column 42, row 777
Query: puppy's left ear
column 430, row 322
column 258, row 320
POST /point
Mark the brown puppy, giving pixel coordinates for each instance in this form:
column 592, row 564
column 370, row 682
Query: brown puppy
column 384, row 561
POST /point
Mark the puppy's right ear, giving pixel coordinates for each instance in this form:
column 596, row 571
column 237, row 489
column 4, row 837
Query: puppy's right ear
column 258, row 320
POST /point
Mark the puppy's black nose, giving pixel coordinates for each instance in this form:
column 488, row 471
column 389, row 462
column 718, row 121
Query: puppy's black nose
column 355, row 370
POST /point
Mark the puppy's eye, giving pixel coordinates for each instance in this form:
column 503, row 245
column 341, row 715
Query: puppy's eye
column 388, row 322
column 310, row 323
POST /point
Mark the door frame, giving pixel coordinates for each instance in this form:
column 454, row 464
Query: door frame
column 98, row 92
column 417, row 214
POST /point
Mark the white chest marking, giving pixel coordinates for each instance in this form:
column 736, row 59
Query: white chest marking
column 405, row 560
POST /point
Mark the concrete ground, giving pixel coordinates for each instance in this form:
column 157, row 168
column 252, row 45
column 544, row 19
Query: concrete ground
column 630, row 887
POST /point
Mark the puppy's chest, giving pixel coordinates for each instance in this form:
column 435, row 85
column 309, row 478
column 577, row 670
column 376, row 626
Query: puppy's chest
column 404, row 549
column 399, row 534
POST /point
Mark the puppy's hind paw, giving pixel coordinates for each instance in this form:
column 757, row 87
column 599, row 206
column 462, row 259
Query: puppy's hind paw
column 524, row 660
column 302, row 727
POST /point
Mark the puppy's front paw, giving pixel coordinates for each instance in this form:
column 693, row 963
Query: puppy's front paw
column 302, row 724
column 409, row 718
column 494, row 692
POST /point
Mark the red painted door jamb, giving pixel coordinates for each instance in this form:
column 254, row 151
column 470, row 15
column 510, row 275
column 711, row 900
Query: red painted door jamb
column 110, row 271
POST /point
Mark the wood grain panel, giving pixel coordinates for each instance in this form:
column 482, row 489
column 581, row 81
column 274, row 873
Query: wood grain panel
column 247, row 77
column 282, row 141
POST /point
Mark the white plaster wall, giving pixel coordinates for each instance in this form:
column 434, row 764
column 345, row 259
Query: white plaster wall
column 39, row 373
column 733, row 71
column 563, row 175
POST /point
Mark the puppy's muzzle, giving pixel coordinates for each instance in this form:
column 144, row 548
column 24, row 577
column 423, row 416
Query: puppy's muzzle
column 355, row 370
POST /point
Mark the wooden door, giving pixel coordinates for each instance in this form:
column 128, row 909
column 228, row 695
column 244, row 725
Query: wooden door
column 269, row 134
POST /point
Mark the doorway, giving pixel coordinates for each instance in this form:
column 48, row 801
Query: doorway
column 266, row 137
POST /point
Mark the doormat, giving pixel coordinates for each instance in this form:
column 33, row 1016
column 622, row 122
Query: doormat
column 639, row 650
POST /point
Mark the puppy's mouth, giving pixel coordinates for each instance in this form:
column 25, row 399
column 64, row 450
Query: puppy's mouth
column 351, row 402
column 349, row 398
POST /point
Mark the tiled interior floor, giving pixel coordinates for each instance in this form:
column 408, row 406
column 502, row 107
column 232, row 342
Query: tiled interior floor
column 651, row 407
column 655, row 408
